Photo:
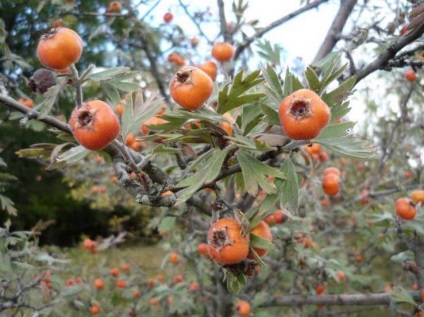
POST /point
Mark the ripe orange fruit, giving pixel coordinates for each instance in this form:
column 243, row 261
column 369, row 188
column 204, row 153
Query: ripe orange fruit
column 173, row 258
column 210, row 68
column 320, row 289
column 331, row 184
column 115, row 272
column 136, row 293
column 178, row 278
column 243, row 308
column 193, row 287
column 303, row 114
column 410, row 75
column 227, row 242
column 26, row 102
column 405, row 208
column 59, row 48
column 359, row 258
column 94, row 310
column 191, row 87
column 270, row 220
column 121, row 284
column 331, row 170
column 150, row 282
column 227, row 127
column 126, row 267
column 94, row 125
column 130, row 139
column 417, row 196
column 408, row 174
column 280, row 216
column 264, row 231
column 90, row 245
column 203, row 248
column 114, row 7
column 119, row 110
column 176, row 59
column 222, row 52
column 144, row 127
column 325, row 203
column 341, row 276
column 154, row 302
column 314, row 150
column 307, row 242
column 161, row 278
column 167, row 17
column 99, row 284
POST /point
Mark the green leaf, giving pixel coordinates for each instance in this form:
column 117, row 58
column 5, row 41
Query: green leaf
column 8, row 205
column 271, row 116
column 250, row 118
column 260, row 242
column 400, row 295
column 402, row 256
column 287, row 87
column 167, row 224
column 50, row 96
column 2, row 163
column 336, row 137
column 339, row 111
column 258, row 259
column 233, row 94
column 207, row 172
column 73, row 155
column 233, row 283
column 111, row 92
column 137, row 111
column 313, row 79
column 338, row 95
column 108, row 73
column 255, row 174
column 269, row 52
column 273, row 87
column 288, row 188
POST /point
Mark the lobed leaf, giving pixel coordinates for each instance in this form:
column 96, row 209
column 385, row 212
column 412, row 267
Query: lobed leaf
column 288, row 188
column 233, row 94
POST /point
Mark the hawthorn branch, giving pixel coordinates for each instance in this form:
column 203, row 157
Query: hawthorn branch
column 335, row 300
column 185, row 8
column 223, row 22
column 390, row 52
column 246, row 43
column 336, row 28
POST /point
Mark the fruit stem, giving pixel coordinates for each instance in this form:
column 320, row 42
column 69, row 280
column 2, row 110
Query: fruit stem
column 77, row 83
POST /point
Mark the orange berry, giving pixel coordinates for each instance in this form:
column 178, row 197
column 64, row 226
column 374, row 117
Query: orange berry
column 222, row 52
column 173, row 258
column 191, row 87
column 94, row 310
column 115, row 272
column 98, row 284
column 417, row 196
column 405, row 208
column 303, row 114
column 410, row 75
column 26, row 102
column 262, row 230
column 228, row 244
column 59, row 48
column 243, row 308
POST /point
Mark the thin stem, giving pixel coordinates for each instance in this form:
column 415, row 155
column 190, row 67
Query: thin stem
column 78, row 88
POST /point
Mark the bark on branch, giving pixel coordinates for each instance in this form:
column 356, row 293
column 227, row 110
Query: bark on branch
column 336, row 28
column 338, row 300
